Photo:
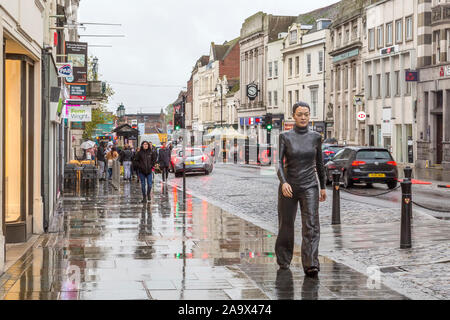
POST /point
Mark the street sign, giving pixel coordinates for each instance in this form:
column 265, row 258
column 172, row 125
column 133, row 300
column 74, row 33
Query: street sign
column 65, row 70
column 361, row 116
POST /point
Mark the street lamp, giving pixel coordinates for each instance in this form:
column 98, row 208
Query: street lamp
column 221, row 102
column 95, row 68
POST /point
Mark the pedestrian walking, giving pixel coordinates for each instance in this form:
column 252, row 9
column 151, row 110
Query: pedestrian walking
column 111, row 156
column 146, row 160
column 126, row 157
column 164, row 161
column 135, row 164
column 101, row 162
column 299, row 176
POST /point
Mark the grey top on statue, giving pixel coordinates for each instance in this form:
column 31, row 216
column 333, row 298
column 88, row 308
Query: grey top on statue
column 302, row 149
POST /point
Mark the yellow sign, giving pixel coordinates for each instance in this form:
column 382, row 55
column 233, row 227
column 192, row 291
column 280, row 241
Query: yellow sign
column 162, row 137
column 377, row 175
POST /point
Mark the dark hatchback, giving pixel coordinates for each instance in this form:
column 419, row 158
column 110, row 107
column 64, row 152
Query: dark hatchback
column 364, row 165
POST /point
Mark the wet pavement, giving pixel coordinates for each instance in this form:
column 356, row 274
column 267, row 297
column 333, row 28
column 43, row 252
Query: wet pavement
column 110, row 246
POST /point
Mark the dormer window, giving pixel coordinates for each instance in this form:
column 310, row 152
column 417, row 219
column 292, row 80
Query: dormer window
column 293, row 37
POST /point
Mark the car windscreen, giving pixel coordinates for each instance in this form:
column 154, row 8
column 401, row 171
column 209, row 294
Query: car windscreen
column 373, row 154
column 191, row 153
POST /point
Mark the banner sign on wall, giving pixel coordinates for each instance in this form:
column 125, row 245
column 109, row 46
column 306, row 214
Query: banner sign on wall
column 80, row 114
column 76, row 53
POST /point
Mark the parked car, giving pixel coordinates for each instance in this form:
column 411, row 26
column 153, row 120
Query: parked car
column 196, row 161
column 363, row 164
column 173, row 155
column 329, row 151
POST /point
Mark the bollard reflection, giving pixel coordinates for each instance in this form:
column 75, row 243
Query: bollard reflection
column 284, row 285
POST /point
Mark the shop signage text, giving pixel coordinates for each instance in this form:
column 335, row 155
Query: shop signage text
column 444, row 71
column 412, row 76
column 80, row 114
column 346, row 55
column 77, row 55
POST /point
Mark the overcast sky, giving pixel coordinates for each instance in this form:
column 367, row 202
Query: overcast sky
column 163, row 39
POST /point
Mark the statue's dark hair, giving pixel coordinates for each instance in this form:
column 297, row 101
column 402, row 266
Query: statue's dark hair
column 300, row 104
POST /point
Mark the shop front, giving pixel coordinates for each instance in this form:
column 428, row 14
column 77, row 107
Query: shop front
column 18, row 140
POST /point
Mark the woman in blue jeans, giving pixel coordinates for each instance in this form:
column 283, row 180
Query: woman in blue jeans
column 146, row 160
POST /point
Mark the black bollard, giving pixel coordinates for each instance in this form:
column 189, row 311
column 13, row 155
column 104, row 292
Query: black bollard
column 408, row 173
column 408, row 177
column 336, row 211
column 405, row 227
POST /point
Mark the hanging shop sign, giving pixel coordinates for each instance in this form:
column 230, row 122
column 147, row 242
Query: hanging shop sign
column 361, row 116
column 80, row 114
column 412, row 76
column 76, row 53
column 65, row 70
column 358, row 100
column 78, row 92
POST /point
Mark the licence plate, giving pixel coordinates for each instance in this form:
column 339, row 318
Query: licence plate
column 377, row 175
column 190, row 162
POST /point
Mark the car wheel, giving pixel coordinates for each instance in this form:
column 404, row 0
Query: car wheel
column 177, row 174
column 392, row 185
column 369, row 185
column 347, row 182
column 207, row 172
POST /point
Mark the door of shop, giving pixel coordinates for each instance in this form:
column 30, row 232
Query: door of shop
column 439, row 138
column 18, row 150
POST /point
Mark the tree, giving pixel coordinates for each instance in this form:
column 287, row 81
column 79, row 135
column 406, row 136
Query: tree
column 169, row 113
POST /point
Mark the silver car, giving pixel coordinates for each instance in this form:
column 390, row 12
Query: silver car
column 196, row 161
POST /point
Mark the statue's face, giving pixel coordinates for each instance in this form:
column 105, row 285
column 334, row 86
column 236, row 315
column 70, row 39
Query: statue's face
column 302, row 116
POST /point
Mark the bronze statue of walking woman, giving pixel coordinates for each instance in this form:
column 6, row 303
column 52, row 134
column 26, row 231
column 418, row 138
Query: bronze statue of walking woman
column 300, row 175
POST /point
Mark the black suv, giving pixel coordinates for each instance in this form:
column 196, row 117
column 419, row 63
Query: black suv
column 363, row 164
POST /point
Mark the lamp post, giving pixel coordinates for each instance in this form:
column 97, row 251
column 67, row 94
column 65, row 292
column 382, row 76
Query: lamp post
column 95, row 68
column 221, row 102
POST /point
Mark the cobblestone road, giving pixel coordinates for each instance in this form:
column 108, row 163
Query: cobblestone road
column 368, row 236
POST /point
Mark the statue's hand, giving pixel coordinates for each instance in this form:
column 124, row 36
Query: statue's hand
column 287, row 190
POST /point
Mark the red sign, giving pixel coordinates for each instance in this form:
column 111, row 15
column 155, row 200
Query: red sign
column 77, row 98
column 288, row 126
column 55, row 39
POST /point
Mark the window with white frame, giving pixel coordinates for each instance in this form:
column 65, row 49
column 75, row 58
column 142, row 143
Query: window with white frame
column 371, row 39
column 293, row 38
column 320, row 61
column 380, row 42
column 332, row 80
column 378, row 85
column 297, row 65
column 389, row 34
column 290, row 67
column 448, row 45
column 275, row 98
column 399, row 31
column 369, row 87
column 397, row 83
column 354, row 75
column 409, row 28
column 290, row 99
column 308, row 63
column 314, row 101
column 269, row 98
column 275, row 68
column 297, row 95
column 270, row 69
column 387, row 82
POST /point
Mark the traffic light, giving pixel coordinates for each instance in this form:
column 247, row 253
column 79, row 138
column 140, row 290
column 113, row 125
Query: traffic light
column 178, row 116
column 177, row 121
column 268, row 122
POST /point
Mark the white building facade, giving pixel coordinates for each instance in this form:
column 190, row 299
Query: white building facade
column 305, row 63
column 391, row 42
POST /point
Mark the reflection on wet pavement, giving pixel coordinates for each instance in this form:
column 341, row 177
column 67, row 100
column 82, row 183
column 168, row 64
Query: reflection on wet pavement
column 110, row 246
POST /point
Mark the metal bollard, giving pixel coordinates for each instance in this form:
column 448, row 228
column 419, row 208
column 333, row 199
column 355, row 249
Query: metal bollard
column 405, row 227
column 408, row 173
column 336, row 211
